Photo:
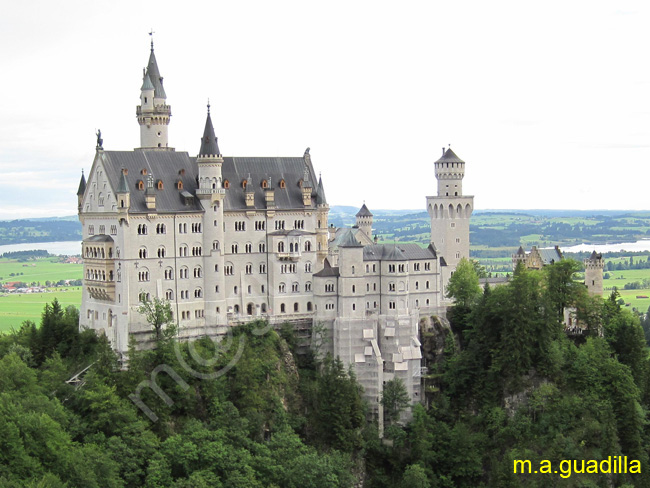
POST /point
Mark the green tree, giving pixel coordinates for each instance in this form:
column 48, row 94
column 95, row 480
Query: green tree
column 394, row 399
column 463, row 285
column 158, row 313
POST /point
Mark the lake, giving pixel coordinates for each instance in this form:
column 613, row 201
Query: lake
column 68, row 248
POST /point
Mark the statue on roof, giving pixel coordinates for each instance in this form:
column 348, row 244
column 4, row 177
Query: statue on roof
column 100, row 141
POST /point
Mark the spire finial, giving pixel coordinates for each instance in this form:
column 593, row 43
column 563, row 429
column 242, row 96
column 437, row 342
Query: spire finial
column 151, row 33
column 208, row 106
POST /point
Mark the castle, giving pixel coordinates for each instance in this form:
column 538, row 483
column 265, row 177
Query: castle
column 230, row 239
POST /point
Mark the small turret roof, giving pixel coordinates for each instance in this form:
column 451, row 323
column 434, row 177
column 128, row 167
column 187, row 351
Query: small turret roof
column 449, row 156
column 146, row 84
column 82, row 185
column 364, row 212
column 520, row 251
column 209, row 146
column 320, row 193
column 123, row 187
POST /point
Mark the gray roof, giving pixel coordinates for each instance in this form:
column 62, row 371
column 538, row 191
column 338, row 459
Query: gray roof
column 550, row 256
column 146, row 84
column 82, row 185
column 154, row 76
column 348, row 240
column 209, row 146
column 292, row 232
column 291, row 170
column 172, row 166
column 100, row 238
column 449, row 157
column 397, row 252
column 168, row 167
column 327, row 271
column 364, row 212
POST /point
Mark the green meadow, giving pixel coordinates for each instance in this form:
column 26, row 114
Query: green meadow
column 15, row 308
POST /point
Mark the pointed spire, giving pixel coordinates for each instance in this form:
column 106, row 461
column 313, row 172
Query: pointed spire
column 363, row 211
column 209, row 146
column 123, row 187
column 154, row 75
column 320, row 192
column 82, row 184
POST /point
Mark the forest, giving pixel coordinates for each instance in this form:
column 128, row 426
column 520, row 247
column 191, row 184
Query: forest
column 508, row 384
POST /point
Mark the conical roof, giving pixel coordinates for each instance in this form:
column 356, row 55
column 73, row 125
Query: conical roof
column 449, row 156
column 320, row 193
column 364, row 212
column 154, row 76
column 82, row 185
column 123, row 187
column 209, row 145
column 520, row 251
column 146, row 84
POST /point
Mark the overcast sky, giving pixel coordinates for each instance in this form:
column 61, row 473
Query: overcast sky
column 547, row 102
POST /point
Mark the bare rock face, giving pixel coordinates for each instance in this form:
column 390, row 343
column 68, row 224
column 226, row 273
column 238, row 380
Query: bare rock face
column 437, row 340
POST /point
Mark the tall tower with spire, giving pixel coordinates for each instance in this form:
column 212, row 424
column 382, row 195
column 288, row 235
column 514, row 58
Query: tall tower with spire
column 450, row 212
column 153, row 112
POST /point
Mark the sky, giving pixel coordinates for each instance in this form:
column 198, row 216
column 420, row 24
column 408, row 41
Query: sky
column 546, row 102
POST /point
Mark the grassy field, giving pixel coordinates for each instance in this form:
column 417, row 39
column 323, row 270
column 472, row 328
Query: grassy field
column 18, row 307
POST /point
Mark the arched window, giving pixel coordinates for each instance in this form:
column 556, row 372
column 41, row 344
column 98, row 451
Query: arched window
column 283, row 184
column 179, row 185
column 140, row 185
column 280, row 246
column 160, row 185
column 265, row 184
column 226, row 184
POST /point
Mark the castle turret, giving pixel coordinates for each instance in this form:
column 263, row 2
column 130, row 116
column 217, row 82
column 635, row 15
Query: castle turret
column 81, row 190
column 153, row 112
column 450, row 212
column 594, row 266
column 322, row 213
column 364, row 220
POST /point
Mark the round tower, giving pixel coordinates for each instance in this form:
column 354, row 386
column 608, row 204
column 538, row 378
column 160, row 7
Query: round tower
column 153, row 112
column 364, row 221
column 594, row 266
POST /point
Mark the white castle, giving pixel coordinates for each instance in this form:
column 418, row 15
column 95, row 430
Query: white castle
column 227, row 240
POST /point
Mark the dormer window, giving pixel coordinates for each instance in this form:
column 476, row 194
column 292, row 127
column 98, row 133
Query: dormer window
column 140, row 185
column 143, row 171
column 226, row 184
column 243, row 184
column 265, row 184
column 179, row 185
column 282, row 184
column 160, row 185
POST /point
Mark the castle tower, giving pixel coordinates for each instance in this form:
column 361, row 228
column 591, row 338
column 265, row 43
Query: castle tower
column 153, row 112
column 450, row 211
column 594, row 266
column 81, row 190
column 211, row 194
column 322, row 214
column 364, row 220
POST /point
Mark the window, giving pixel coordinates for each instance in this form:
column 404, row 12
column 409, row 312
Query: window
column 307, row 267
column 183, row 273
column 142, row 229
column 367, row 286
column 198, row 272
column 161, row 229
column 182, row 228
column 143, row 274
column 216, row 268
column 179, row 185
column 279, row 225
column 215, row 245
column 282, row 308
column 161, row 252
column 240, row 226
column 196, row 228
column 160, row 184
column 329, row 287
column 282, row 288
column 102, row 229
column 113, row 230
column 416, row 266
column 198, row 293
column 391, row 286
column 140, row 185
column 309, row 307
column 142, row 253
column 308, row 286
column 426, row 285
column 427, row 266
column 228, row 270
column 391, row 268
column 262, row 268
column 234, row 248
column 417, row 285
column 354, row 289
column 353, row 269
column 354, row 306
column 263, row 289
column 260, row 225
column 249, row 269
column 283, row 184
column 169, row 295
column 226, row 184
column 295, row 307
column 280, row 246
column 169, row 273
column 261, row 247
column 182, row 251
column 295, row 288
column 401, row 268
column 391, row 305
column 249, row 247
